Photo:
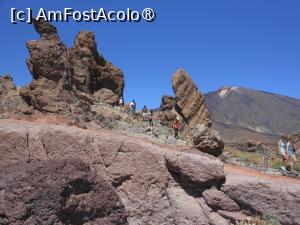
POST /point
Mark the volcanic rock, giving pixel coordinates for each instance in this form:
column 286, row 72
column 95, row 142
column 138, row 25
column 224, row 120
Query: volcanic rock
column 47, row 55
column 218, row 200
column 106, row 96
column 140, row 171
column 10, row 98
column 58, row 72
column 57, row 192
column 90, row 71
column 167, row 103
column 189, row 101
column 264, row 197
column 207, row 140
column 167, row 112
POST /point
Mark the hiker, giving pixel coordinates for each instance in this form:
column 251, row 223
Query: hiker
column 121, row 101
column 132, row 107
column 150, row 118
column 291, row 153
column 144, row 113
column 176, row 126
column 283, row 151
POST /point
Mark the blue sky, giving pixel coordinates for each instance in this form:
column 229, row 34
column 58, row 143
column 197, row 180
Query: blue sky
column 249, row 43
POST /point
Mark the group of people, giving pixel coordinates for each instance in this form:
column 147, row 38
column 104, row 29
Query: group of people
column 149, row 114
column 287, row 152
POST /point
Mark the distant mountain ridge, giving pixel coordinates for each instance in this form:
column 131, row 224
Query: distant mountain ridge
column 252, row 110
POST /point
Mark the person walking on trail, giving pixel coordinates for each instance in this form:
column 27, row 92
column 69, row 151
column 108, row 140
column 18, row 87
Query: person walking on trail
column 144, row 113
column 283, row 151
column 291, row 153
column 150, row 118
column 132, row 107
column 121, row 101
column 176, row 126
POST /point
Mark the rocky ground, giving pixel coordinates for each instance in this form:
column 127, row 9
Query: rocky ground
column 157, row 183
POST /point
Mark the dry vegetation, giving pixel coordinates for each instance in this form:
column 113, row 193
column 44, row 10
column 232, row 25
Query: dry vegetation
column 257, row 158
column 263, row 220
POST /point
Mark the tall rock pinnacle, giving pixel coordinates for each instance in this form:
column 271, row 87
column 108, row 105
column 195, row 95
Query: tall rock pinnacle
column 189, row 101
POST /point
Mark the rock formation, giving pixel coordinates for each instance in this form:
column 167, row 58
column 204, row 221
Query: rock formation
column 189, row 101
column 64, row 77
column 90, row 71
column 10, row 99
column 167, row 112
column 156, row 183
column 57, row 192
column 144, row 175
column 207, row 140
column 189, row 104
column 264, row 197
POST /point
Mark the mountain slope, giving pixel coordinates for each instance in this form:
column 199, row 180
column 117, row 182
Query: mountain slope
column 256, row 111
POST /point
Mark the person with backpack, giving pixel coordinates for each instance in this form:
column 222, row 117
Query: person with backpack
column 283, row 151
column 176, row 126
column 291, row 153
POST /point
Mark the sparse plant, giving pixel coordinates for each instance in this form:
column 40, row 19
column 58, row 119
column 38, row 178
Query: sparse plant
column 266, row 219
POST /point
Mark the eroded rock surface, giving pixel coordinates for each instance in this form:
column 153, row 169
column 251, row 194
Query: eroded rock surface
column 57, row 192
column 90, row 71
column 158, row 184
column 189, row 101
column 10, row 99
column 140, row 171
column 59, row 72
column 207, row 140
column 278, row 200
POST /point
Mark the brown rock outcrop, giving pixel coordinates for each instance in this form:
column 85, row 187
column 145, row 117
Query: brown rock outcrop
column 90, row 71
column 57, row 72
column 57, row 192
column 189, row 101
column 167, row 113
column 167, row 103
column 207, row 140
column 10, row 99
column 48, row 54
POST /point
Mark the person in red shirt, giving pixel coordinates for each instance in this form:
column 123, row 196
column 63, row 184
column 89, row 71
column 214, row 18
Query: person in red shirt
column 176, row 126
